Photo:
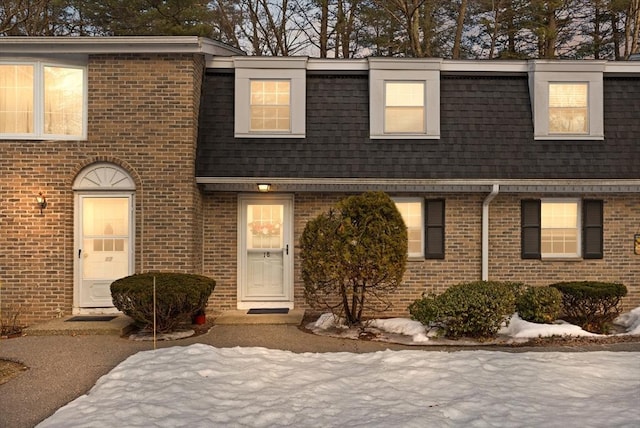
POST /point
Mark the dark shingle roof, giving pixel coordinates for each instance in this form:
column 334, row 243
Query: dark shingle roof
column 486, row 133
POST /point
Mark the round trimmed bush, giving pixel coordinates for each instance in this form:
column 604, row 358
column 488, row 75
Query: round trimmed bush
column 539, row 304
column 592, row 305
column 474, row 309
column 178, row 297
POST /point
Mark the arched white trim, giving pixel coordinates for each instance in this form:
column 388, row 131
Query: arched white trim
column 103, row 176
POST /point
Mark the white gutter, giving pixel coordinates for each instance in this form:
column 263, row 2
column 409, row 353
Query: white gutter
column 485, row 230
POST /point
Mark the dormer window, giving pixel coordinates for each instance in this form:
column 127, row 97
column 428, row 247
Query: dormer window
column 567, row 99
column 404, row 98
column 270, row 97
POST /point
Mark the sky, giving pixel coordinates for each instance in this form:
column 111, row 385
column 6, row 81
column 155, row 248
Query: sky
column 203, row 386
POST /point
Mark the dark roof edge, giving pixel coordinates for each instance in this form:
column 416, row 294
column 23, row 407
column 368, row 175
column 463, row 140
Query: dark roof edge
column 279, row 184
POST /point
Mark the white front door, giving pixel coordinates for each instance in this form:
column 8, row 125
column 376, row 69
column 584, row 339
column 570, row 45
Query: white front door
column 265, row 250
column 103, row 246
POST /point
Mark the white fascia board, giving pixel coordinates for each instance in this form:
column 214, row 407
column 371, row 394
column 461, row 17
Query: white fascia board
column 446, row 65
column 333, row 64
column 376, row 63
column 573, row 66
column 270, row 62
column 498, row 66
column 631, row 67
column 119, row 44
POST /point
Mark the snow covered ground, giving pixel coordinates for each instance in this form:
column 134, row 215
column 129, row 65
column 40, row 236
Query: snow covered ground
column 203, row 386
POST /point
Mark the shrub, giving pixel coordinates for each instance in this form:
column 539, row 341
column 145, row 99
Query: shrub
column 473, row 309
column 539, row 304
column 178, row 297
column 591, row 304
column 354, row 255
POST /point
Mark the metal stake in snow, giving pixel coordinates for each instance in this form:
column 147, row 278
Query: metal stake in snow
column 154, row 313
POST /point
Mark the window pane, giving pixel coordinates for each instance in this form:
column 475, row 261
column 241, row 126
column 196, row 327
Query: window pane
column 264, row 225
column 568, row 108
column 270, row 105
column 404, row 94
column 404, row 107
column 16, row 99
column 412, row 215
column 404, row 119
column 568, row 95
column 63, row 100
column 559, row 234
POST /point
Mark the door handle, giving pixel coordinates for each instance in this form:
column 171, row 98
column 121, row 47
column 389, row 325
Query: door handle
column 79, row 252
column 286, row 249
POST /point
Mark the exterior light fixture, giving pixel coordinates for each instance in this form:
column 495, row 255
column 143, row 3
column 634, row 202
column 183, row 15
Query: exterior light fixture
column 264, row 187
column 41, row 200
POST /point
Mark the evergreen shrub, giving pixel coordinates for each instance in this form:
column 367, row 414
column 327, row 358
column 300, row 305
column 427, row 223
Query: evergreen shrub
column 592, row 305
column 474, row 309
column 539, row 304
column 354, row 256
column 179, row 296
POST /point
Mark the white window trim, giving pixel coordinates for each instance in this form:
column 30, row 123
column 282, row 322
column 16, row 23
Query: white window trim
column 556, row 256
column 543, row 72
column 426, row 71
column 38, row 100
column 291, row 69
column 420, row 255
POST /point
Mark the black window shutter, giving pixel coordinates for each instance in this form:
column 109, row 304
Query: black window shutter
column 530, row 228
column 592, row 229
column 434, row 229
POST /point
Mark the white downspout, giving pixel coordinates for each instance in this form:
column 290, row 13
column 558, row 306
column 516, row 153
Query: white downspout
column 485, row 230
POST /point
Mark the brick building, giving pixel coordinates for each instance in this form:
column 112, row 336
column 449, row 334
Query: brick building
column 150, row 153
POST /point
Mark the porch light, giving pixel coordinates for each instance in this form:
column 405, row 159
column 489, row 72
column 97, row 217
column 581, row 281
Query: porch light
column 41, row 200
column 264, row 187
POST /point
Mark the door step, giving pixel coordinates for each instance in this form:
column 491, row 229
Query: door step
column 293, row 317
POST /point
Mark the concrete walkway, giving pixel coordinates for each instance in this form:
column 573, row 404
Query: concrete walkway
column 63, row 367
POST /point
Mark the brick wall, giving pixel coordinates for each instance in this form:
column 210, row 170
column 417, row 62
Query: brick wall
column 620, row 264
column 463, row 248
column 142, row 116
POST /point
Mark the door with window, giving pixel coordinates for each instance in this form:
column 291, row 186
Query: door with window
column 104, row 253
column 104, row 233
column 265, row 267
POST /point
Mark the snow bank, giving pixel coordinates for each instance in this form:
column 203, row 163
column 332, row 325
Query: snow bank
column 201, row 386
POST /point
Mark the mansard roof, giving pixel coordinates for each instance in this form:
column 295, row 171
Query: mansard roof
column 486, row 134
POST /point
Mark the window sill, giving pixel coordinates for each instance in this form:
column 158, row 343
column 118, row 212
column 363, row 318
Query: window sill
column 560, row 137
column 405, row 137
column 269, row 135
column 561, row 259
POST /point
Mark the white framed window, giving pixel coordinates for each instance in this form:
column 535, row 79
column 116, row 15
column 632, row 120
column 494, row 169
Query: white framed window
column 567, row 99
column 404, row 98
column 404, row 110
column 270, row 97
column 560, row 228
column 270, row 106
column 568, row 108
column 412, row 210
column 43, row 100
